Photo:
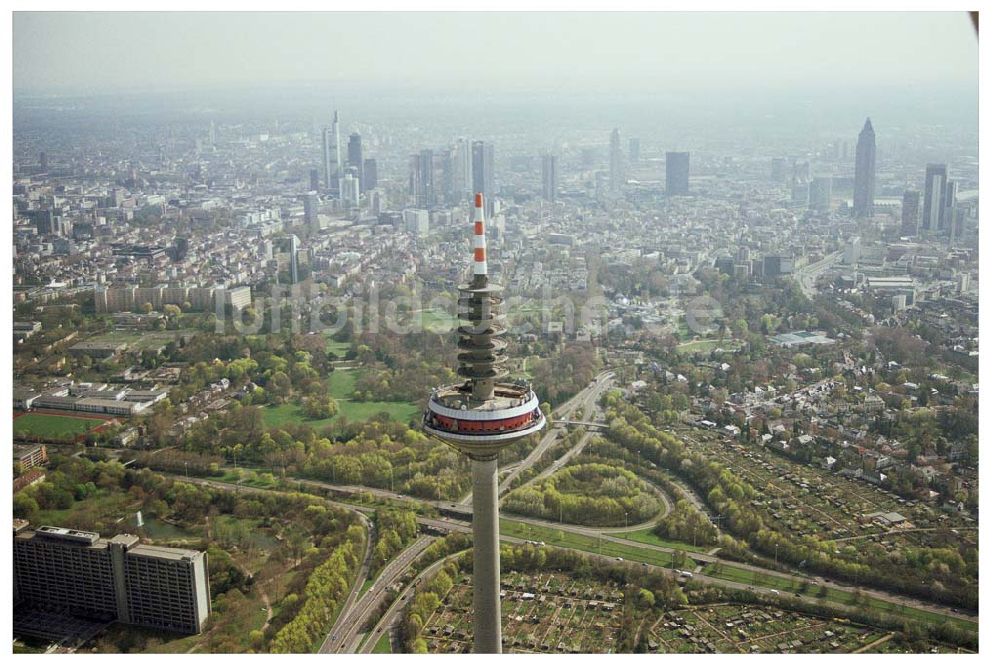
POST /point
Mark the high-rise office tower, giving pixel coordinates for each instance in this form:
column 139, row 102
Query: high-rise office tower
column 678, row 173
column 820, row 193
column 333, row 165
column 336, row 141
column 480, row 416
column 910, row 212
column 935, row 189
column 350, row 188
column 616, row 177
column 375, row 202
column 482, row 174
column 549, row 177
column 952, row 215
column 422, row 178
column 461, row 170
column 310, row 205
column 370, row 174
column 446, row 160
column 328, row 167
column 634, row 150
column 354, row 156
column 287, row 245
column 864, row 172
column 314, row 180
column 43, row 161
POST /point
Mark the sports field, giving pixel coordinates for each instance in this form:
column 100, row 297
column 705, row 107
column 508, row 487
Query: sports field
column 54, row 427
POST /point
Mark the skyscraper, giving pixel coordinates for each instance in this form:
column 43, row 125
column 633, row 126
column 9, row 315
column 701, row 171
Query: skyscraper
column 370, row 174
column 678, row 173
column 864, row 172
column 354, row 156
column 288, row 245
column 615, row 174
column 334, row 163
column 310, row 205
column 461, row 171
column 336, row 141
column 482, row 173
column 634, row 151
column 314, row 180
column 350, row 188
column 820, row 193
column 911, row 208
column 549, row 177
column 952, row 215
column 328, row 170
column 935, row 188
column 422, row 178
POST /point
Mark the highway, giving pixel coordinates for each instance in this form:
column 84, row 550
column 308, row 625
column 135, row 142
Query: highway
column 587, row 398
column 354, row 615
column 331, row 638
column 350, row 627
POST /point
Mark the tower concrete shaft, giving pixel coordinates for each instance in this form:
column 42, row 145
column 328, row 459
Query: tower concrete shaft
column 480, row 417
column 486, row 557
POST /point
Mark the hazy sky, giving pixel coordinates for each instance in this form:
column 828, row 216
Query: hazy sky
column 493, row 51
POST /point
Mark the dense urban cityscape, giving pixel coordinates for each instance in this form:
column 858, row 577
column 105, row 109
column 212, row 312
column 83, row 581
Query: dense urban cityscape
column 282, row 358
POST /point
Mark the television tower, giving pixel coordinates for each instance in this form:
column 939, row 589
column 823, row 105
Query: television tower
column 479, row 417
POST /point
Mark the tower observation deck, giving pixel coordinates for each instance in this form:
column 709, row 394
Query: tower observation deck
column 479, row 417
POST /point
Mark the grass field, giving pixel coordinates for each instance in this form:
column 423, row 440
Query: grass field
column 383, row 646
column 338, row 348
column 559, row 538
column 53, row 426
column 648, row 537
column 341, row 387
column 437, row 321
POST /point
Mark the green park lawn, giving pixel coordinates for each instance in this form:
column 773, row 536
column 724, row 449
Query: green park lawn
column 341, row 387
column 338, row 348
column 648, row 537
column 383, row 646
column 590, row 544
column 53, row 426
column 437, row 321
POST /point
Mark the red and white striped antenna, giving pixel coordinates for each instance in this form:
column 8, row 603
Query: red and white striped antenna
column 479, row 238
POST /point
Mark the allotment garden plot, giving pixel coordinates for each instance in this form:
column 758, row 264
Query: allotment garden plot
column 807, row 501
column 739, row 628
column 545, row 612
